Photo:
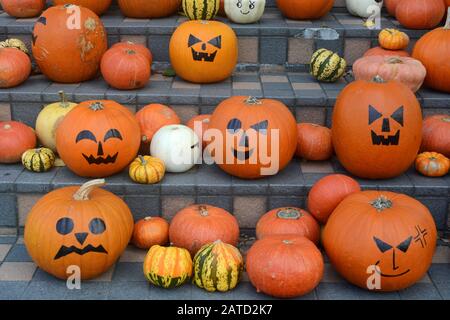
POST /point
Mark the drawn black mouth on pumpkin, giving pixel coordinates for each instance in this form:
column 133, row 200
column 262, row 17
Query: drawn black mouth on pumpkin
column 242, row 155
column 64, row 251
column 203, row 56
column 245, row 13
column 100, row 160
column 390, row 140
column 391, row 275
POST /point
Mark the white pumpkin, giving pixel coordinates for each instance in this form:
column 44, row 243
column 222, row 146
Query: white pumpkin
column 363, row 8
column 48, row 120
column 177, row 146
column 244, row 11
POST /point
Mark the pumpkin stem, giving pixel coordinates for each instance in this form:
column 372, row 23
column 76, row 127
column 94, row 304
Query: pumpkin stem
column 63, row 100
column 86, row 189
column 148, row 218
column 446, row 119
column 143, row 161
column 394, row 60
column 252, row 101
column 287, row 242
column 381, row 203
column 203, row 211
column 7, row 126
column 130, row 51
column 378, row 79
column 96, row 106
column 289, row 213
column 447, row 23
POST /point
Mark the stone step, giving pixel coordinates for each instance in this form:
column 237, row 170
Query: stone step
column 274, row 40
column 246, row 199
column 308, row 99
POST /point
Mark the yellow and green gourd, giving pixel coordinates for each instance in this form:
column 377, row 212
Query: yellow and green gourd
column 168, row 267
column 218, row 266
column 147, row 170
column 201, row 9
column 38, row 160
column 327, row 66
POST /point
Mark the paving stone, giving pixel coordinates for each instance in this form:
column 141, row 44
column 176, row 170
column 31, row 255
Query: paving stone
column 278, row 202
column 442, row 255
column 440, row 273
column 133, row 254
column 438, row 208
column 18, row 253
column 346, row 291
column 17, row 271
column 128, row 271
column 211, row 180
column 122, row 290
column 25, row 203
column 224, row 202
column 181, row 293
column 420, row 291
column 273, row 50
column 32, row 182
column 12, row 290
column 330, row 275
column 287, row 182
column 8, row 211
column 7, row 239
column 43, row 290
column 249, row 209
column 316, row 167
column 104, row 277
column 172, row 204
column 89, row 291
column 179, row 183
column 4, row 249
column 143, row 206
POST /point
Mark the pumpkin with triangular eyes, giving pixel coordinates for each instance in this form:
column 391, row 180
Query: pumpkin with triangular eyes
column 252, row 138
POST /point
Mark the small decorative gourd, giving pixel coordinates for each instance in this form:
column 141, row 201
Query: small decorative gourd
column 147, row 170
column 38, row 160
column 327, row 66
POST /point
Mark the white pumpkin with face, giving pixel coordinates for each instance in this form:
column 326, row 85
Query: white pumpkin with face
column 177, row 146
column 244, row 11
column 363, row 8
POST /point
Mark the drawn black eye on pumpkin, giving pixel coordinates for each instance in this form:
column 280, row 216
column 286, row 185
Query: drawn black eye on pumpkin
column 234, row 125
column 193, row 40
column 404, row 246
column 64, row 226
column 261, row 127
column 112, row 133
column 382, row 246
column 252, row 5
column 85, row 135
column 216, row 42
column 239, row 4
column 97, row 226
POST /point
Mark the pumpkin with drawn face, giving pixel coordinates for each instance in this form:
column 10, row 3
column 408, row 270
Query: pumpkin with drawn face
column 203, row 51
column 380, row 240
column 244, row 11
column 85, row 226
column 98, row 138
column 252, row 138
column 376, row 128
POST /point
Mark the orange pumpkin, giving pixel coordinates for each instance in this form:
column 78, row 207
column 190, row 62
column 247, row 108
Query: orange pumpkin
column 69, row 55
column 197, row 225
column 140, row 48
column 391, row 6
column 432, row 164
column 258, row 137
column 150, row 231
column 313, row 142
column 378, row 51
column 125, row 69
column 149, row 9
column 380, row 232
column 419, row 14
column 284, row 266
column 98, row 138
column 288, row 221
column 15, row 139
column 203, row 51
column 201, row 122
column 23, row 8
column 85, row 226
column 393, row 39
column 304, row 9
column 98, row 6
column 433, row 50
column 436, row 134
column 327, row 193
column 15, row 67
column 377, row 128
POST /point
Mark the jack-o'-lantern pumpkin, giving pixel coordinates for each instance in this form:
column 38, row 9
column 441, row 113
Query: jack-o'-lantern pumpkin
column 376, row 128
column 252, row 138
column 98, row 138
column 203, row 51
column 85, row 226
column 244, row 11
column 68, row 42
column 380, row 240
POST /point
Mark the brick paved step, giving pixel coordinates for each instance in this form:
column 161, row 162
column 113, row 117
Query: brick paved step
column 247, row 199
column 274, row 40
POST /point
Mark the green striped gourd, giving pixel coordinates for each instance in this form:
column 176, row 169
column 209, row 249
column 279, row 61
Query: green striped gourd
column 218, row 266
column 38, row 160
column 167, row 267
column 201, row 9
column 327, row 66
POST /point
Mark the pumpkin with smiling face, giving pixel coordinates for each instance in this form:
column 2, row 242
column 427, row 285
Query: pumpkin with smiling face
column 244, row 11
column 380, row 232
column 98, row 138
column 203, row 51
column 82, row 226
column 252, row 138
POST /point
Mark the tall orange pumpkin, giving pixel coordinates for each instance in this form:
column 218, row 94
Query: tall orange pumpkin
column 65, row 51
column 98, row 6
column 380, row 232
column 257, row 137
column 149, row 9
column 305, row 9
column 419, row 14
column 98, row 138
column 376, row 128
column 433, row 50
column 203, row 51
column 85, row 226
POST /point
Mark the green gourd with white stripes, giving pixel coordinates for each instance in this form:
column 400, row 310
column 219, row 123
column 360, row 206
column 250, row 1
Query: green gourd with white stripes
column 327, row 66
column 201, row 9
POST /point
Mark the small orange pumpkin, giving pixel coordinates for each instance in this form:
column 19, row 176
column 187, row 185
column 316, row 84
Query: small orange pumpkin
column 23, row 8
column 15, row 67
column 313, row 142
column 15, row 139
column 150, row 231
column 432, row 164
column 135, row 47
column 393, row 39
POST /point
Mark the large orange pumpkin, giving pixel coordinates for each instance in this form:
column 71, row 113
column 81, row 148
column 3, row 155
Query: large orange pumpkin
column 149, row 9
column 436, row 134
column 85, row 226
column 98, row 6
column 98, row 138
column 380, row 235
column 304, row 9
column 378, row 51
column 203, row 51
column 15, row 139
column 69, row 54
column 377, row 128
column 284, row 266
column 419, row 14
column 23, row 8
column 257, row 137
column 197, row 225
column 288, row 221
column 15, row 67
column 433, row 50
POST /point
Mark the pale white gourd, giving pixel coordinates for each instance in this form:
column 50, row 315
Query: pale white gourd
column 244, row 11
column 362, row 8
